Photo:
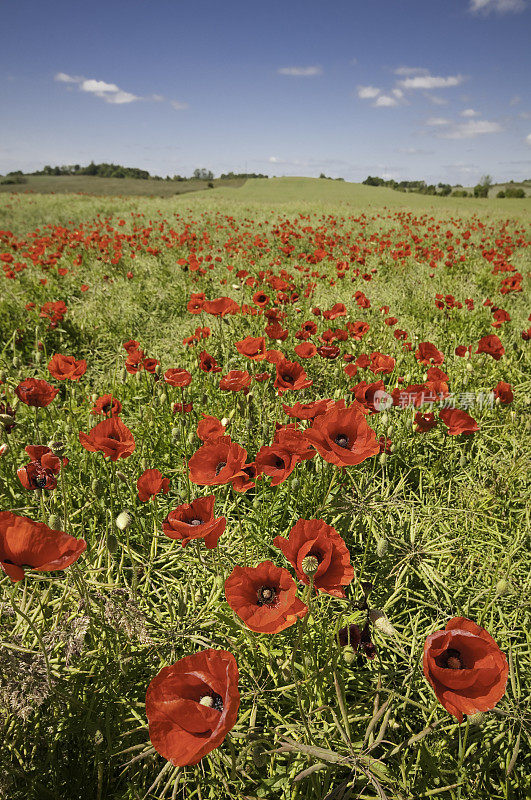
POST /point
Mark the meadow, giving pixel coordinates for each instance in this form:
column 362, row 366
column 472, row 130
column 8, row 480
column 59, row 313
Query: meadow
column 264, row 456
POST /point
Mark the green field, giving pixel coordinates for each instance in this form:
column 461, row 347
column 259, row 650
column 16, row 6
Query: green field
column 122, row 187
column 436, row 525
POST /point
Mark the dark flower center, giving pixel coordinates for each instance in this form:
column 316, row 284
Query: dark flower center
column 220, row 466
column 316, row 554
column 266, row 596
column 288, row 378
column 40, row 481
column 279, row 463
column 212, row 700
column 341, row 440
column 450, row 659
column 106, row 408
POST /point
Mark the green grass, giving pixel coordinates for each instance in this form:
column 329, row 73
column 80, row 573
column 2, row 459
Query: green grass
column 122, row 187
column 434, row 525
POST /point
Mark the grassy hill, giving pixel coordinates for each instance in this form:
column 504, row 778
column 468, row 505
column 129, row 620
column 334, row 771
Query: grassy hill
column 126, row 187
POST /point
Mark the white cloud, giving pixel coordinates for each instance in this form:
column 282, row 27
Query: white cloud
column 385, row 101
column 499, row 6
column 98, row 86
column 178, row 106
column 469, row 112
column 411, row 71
column 62, row 77
column 301, row 72
column 398, row 93
column 368, row 92
column 431, row 82
column 528, row 139
column 471, row 129
column 435, row 99
column 435, row 122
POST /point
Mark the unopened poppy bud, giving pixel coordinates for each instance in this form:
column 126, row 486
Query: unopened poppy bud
column 7, row 420
column 96, row 486
column 462, row 460
column 54, row 522
column 469, row 367
column 381, row 547
column 503, row 587
column 381, row 623
column 476, row 719
column 123, row 520
column 112, row 543
column 225, row 421
column 384, row 418
column 16, row 362
column 295, row 484
column 383, row 458
column 37, row 357
column 163, row 398
column 94, row 397
column 310, row 565
column 349, row 654
column 123, row 375
column 122, row 477
column 3, row 449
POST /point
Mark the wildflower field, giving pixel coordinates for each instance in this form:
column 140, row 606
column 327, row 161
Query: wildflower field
column 264, row 523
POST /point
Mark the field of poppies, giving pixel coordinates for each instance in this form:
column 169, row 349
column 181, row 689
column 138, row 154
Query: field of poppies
column 264, row 523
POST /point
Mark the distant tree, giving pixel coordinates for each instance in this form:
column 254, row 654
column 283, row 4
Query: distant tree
column 482, row 188
column 512, row 192
column 501, row 193
column 202, row 174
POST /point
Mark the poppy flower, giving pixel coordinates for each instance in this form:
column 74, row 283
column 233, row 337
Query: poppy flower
column 25, row 543
column 151, row 483
column 264, row 597
column 465, row 668
column 461, row 350
column 41, row 472
column 64, row 368
column 107, row 404
column 424, row 422
column 291, row 376
column 220, row 307
column 503, row 392
column 111, row 437
column 260, row 299
column 275, row 462
column 178, row 377
column 217, row 462
column 235, row 381
column 371, row 395
column 208, row 363
column 458, row 421
column 358, row 330
column 134, row 361
column 382, row 363
column 342, row 436
column 209, row 428
column 182, row 408
column 427, row 353
column 275, row 331
column 328, row 351
column 492, row 346
column 338, row 310
column 131, row 345
column 150, row 364
column 313, row 537
column 358, row 639
column 192, row 705
column 252, row 347
column 305, row 350
column 195, row 520
column 307, row 410
column 246, row 479
column 36, row 392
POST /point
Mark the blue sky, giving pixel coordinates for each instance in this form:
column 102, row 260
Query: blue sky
column 434, row 89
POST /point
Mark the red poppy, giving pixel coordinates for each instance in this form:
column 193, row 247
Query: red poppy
column 131, row 345
column 503, row 392
column 358, row 329
column 235, row 381
column 209, row 428
column 275, row 331
column 329, row 351
column 424, row 422
column 151, row 483
column 313, row 537
column 217, row 462
column 64, row 368
column 246, row 479
column 276, row 462
column 458, row 421
column 42, row 470
column 461, row 350
column 371, row 395
column 264, row 597
column 260, row 299
column 342, row 436
column 192, row 705
column 305, row 350
column 252, row 347
column 182, row 408
column 111, row 437
column 178, row 377
column 427, row 353
column 221, row 306
column 107, row 404
column 35, row 392
column 382, row 363
column 195, row 520
column 308, row 410
column 208, row 363
column 465, row 668
column 134, row 361
column 291, row 376
column 363, row 361
column 338, row 310
column 25, row 543
column 150, row 364
column 492, row 346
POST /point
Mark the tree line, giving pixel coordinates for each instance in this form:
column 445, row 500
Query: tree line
column 481, row 189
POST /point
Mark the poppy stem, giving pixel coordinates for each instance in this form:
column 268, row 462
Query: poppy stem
column 37, row 431
column 37, row 635
column 244, row 543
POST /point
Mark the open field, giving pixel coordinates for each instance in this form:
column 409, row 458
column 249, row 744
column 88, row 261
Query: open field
column 87, row 184
column 404, row 494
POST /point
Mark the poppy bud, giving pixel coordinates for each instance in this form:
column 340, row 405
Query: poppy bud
column 7, row 420
column 225, row 421
column 3, row 448
column 94, row 397
column 503, row 588
column 16, row 362
column 123, row 375
column 54, row 522
column 122, row 477
column 384, row 418
column 37, row 357
column 96, row 486
column 383, row 459
column 123, row 520
column 462, row 460
column 349, row 654
column 112, row 543
column 469, row 367
column 381, row 547
column 163, row 398
column 381, row 623
column 310, row 565
column 476, row 719
column 57, row 448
